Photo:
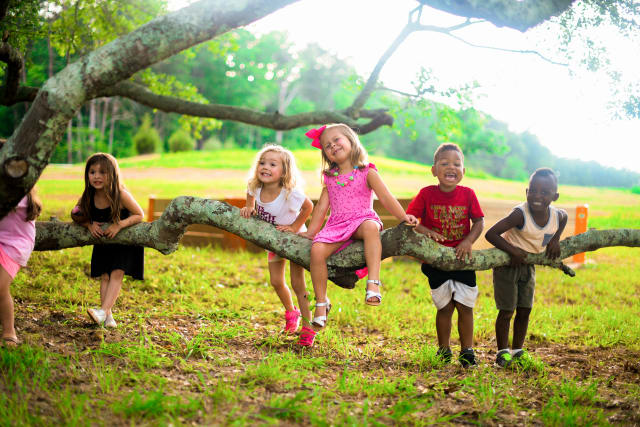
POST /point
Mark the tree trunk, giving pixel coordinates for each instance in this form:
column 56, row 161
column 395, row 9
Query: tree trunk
column 165, row 233
column 105, row 113
column 70, row 142
column 112, row 123
column 92, row 125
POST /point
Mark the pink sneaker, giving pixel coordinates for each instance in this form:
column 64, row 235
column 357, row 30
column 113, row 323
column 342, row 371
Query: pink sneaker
column 293, row 321
column 307, row 335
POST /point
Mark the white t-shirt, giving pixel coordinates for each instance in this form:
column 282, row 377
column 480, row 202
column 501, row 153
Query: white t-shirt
column 282, row 210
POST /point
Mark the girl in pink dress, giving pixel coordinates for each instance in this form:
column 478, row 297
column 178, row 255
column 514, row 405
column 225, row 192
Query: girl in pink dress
column 348, row 184
column 17, row 238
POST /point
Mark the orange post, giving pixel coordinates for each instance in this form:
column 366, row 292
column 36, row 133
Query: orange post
column 152, row 206
column 582, row 214
column 230, row 240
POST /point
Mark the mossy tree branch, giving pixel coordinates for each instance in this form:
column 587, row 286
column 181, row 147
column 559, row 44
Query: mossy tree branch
column 165, row 233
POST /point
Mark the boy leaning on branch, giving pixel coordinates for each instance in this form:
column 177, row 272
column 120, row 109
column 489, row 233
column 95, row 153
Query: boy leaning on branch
column 533, row 226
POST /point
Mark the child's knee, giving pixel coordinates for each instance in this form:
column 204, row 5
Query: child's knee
column 505, row 315
column 447, row 310
column 117, row 275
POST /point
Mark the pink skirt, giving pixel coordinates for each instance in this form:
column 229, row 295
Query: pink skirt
column 8, row 264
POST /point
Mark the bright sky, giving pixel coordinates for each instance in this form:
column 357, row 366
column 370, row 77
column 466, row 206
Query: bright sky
column 568, row 113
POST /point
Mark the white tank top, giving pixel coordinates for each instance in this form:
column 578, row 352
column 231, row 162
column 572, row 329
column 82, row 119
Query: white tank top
column 531, row 237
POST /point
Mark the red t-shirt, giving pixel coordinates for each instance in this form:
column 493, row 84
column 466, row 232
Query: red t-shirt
column 446, row 213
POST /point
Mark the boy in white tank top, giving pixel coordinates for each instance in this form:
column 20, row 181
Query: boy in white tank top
column 532, row 227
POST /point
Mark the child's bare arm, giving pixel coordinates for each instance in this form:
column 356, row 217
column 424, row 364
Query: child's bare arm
column 249, row 208
column 319, row 213
column 464, row 248
column 493, row 236
column 553, row 247
column 386, row 198
column 137, row 214
column 305, row 211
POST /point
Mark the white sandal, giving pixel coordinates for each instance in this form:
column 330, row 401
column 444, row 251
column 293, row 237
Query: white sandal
column 373, row 294
column 320, row 321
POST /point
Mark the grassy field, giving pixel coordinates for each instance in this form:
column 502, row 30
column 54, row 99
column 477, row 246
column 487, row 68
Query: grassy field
column 199, row 339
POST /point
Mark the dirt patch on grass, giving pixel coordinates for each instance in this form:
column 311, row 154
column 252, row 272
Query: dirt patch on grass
column 229, row 359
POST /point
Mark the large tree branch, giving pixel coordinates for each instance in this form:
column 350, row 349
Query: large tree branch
column 276, row 121
column 27, row 152
column 165, row 233
column 520, row 15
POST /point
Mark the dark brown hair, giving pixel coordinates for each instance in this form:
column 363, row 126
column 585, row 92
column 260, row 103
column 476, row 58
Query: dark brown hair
column 34, row 206
column 109, row 165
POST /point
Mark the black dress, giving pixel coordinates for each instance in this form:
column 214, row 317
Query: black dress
column 106, row 258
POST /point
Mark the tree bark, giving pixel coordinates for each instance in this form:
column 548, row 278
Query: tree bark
column 520, row 15
column 165, row 233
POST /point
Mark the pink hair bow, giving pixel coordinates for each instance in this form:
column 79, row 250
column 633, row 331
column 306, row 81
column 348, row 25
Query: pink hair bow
column 315, row 135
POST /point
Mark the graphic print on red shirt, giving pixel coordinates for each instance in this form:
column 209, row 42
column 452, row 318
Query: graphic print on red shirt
column 446, row 213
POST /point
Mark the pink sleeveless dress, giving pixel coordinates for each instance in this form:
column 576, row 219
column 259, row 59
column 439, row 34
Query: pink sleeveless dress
column 351, row 205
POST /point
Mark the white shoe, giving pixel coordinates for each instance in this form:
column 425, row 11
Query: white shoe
column 109, row 322
column 97, row 315
column 321, row 321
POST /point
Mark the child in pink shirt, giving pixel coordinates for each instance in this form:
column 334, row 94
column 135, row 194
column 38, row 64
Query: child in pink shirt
column 17, row 238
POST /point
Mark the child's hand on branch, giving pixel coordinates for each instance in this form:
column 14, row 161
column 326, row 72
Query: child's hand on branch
column 287, row 228
column 94, row 229
column 553, row 248
column 307, row 235
column 517, row 256
column 112, row 230
column 433, row 235
column 463, row 250
column 411, row 220
column 247, row 212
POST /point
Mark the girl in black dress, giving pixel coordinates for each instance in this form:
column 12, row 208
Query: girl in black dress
column 105, row 200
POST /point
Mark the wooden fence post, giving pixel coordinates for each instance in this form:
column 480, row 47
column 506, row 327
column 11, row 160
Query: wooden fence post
column 152, row 206
column 582, row 214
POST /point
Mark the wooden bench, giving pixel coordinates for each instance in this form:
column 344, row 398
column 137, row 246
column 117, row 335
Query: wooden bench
column 494, row 210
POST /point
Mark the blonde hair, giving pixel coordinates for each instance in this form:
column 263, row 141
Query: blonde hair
column 113, row 186
column 358, row 153
column 290, row 178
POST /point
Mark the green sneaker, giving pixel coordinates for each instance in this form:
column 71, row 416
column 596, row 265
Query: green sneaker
column 504, row 358
column 522, row 358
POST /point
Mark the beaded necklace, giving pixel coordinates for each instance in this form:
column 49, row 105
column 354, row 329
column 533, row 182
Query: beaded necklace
column 351, row 177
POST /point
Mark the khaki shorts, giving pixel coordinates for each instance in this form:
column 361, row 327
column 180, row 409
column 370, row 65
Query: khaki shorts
column 454, row 290
column 513, row 287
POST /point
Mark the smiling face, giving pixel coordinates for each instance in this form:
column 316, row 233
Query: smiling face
column 335, row 145
column 449, row 169
column 98, row 176
column 541, row 192
column 270, row 168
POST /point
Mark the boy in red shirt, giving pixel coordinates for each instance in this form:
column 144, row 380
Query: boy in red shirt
column 446, row 212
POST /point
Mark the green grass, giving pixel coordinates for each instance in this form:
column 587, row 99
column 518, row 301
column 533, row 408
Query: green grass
column 199, row 341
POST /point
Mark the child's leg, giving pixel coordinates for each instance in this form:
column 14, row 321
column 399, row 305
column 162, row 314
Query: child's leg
column 6, row 305
column 502, row 328
column 300, row 288
column 104, row 285
column 369, row 233
column 113, row 290
column 520, row 326
column 465, row 325
column 276, row 277
column 443, row 324
column 319, row 275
